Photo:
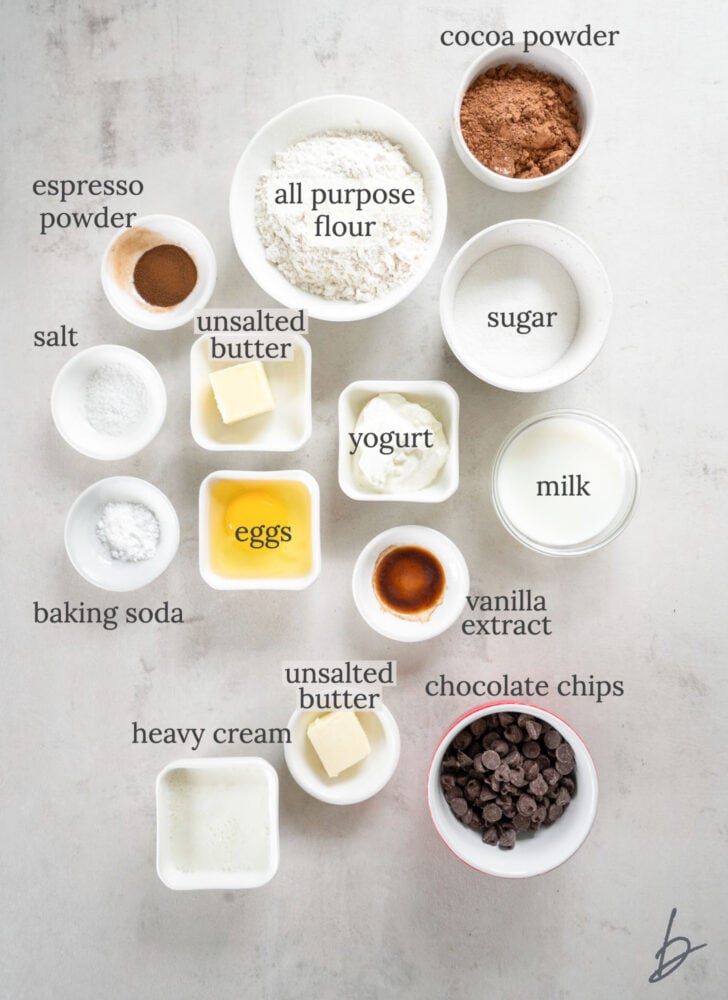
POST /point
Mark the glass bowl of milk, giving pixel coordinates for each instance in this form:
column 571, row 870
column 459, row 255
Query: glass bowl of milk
column 565, row 483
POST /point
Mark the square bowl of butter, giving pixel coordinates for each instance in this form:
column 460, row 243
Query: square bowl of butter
column 398, row 440
column 342, row 756
column 239, row 402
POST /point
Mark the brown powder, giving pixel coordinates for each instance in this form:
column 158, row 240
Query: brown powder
column 165, row 275
column 520, row 122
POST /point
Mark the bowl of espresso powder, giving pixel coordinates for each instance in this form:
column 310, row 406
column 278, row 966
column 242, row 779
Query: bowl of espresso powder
column 158, row 272
column 519, row 123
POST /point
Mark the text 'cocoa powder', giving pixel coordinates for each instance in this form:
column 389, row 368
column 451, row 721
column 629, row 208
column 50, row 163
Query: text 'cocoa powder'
column 520, row 122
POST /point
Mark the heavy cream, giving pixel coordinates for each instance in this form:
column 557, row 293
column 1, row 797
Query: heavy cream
column 397, row 446
column 565, row 482
column 218, row 820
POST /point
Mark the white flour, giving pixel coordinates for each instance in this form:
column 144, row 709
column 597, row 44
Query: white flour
column 358, row 272
column 516, row 279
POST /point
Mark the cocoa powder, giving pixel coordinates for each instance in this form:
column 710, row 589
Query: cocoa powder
column 520, row 122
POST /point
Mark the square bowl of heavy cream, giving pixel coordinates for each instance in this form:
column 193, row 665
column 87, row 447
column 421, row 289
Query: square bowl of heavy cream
column 398, row 440
column 217, row 823
column 285, row 427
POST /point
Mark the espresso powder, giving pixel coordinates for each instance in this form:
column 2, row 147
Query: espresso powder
column 520, row 122
column 165, row 275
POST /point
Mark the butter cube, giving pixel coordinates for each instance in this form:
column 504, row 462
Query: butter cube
column 241, row 391
column 339, row 740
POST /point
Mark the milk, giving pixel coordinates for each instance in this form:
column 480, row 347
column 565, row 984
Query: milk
column 563, row 480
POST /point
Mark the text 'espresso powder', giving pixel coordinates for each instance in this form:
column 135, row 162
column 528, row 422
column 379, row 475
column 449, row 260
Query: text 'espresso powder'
column 165, row 275
column 520, row 122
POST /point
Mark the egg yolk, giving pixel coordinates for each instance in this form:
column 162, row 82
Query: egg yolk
column 254, row 507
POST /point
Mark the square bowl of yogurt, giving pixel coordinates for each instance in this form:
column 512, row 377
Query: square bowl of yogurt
column 398, row 440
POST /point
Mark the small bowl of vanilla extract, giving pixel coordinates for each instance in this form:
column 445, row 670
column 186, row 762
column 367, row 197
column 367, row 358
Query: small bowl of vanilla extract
column 410, row 583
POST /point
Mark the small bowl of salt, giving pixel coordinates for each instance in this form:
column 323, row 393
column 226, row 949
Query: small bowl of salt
column 121, row 533
column 108, row 402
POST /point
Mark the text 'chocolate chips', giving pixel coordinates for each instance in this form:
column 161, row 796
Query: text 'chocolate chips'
column 518, row 775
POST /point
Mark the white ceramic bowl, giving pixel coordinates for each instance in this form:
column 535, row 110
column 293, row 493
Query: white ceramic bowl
column 128, row 303
column 321, row 114
column 91, row 559
column 592, row 287
column 264, row 856
column 536, row 852
column 437, row 397
column 69, row 415
column 285, row 428
column 457, row 582
column 620, row 450
column 218, row 582
column 357, row 783
column 549, row 60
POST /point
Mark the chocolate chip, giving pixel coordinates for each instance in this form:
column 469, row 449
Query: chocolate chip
column 521, row 822
column 551, row 738
column 506, row 719
column 490, row 836
column 551, row 775
column 538, row 786
column 507, row 839
column 555, row 811
column 532, row 728
column 513, row 733
column 463, row 740
column 530, row 769
column 463, row 759
column 563, row 798
column 491, row 760
column 492, row 813
column 472, row 790
column 518, row 777
column 514, row 758
column 564, row 767
column 530, row 749
column 447, row 780
column 459, row 806
column 503, row 772
column 564, row 753
column 500, row 746
column 478, row 764
column 526, row 805
column 477, row 728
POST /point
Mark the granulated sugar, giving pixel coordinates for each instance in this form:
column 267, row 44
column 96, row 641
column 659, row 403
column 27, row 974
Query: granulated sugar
column 511, row 282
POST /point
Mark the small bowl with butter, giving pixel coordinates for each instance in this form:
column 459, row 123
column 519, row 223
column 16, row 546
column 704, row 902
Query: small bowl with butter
column 250, row 405
column 398, row 440
column 342, row 757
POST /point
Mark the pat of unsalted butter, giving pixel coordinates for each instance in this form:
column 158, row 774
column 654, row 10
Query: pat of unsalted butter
column 242, row 391
column 339, row 740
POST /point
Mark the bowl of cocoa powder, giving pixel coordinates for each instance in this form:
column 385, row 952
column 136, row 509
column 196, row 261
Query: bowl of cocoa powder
column 520, row 124
column 512, row 789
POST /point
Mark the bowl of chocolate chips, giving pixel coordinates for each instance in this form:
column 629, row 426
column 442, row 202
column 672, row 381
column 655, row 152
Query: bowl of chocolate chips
column 512, row 789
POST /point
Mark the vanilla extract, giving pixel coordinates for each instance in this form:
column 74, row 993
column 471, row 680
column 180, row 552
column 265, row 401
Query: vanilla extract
column 521, row 600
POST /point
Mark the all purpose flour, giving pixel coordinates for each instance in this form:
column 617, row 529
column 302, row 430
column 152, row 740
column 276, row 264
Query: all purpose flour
column 358, row 270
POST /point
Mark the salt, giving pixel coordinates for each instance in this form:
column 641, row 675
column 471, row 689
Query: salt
column 514, row 280
column 128, row 531
column 115, row 399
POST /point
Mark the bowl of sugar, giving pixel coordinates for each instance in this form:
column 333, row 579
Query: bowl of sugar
column 525, row 305
column 108, row 402
column 217, row 823
column 338, row 206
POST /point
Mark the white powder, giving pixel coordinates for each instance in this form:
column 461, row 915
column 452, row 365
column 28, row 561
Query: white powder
column 358, row 271
column 115, row 399
column 514, row 280
column 128, row 531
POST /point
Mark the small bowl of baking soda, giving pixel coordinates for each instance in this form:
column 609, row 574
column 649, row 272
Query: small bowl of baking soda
column 158, row 272
column 121, row 533
column 338, row 206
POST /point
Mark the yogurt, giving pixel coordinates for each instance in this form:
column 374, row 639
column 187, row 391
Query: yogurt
column 565, row 483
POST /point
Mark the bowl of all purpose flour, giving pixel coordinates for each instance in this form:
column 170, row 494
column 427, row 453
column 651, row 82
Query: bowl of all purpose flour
column 525, row 305
column 338, row 206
